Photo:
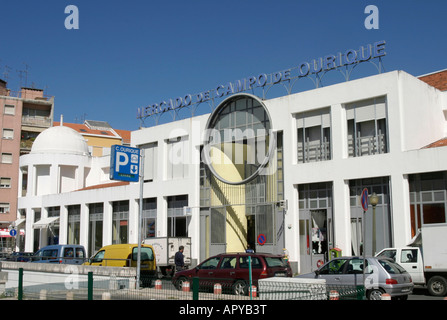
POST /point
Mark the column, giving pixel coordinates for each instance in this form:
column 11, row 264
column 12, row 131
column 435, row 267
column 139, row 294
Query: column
column 342, row 216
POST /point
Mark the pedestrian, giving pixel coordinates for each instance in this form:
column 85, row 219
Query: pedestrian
column 249, row 249
column 179, row 259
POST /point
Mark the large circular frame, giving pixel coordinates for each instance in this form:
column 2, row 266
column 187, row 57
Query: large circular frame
column 219, row 115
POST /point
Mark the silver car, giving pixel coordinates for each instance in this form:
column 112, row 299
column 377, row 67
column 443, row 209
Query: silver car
column 381, row 276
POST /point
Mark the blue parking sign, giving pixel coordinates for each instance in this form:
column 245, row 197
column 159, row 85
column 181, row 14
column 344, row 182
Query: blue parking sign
column 124, row 163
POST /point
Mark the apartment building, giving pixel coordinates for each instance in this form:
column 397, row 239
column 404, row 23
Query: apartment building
column 23, row 115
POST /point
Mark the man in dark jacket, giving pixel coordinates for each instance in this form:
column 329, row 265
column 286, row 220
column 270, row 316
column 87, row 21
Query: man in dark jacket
column 179, row 259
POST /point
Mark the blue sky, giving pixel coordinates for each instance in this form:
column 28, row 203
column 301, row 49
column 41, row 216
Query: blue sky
column 130, row 54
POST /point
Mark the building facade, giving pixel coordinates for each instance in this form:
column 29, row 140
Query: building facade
column 280, row 175
column 23, row 116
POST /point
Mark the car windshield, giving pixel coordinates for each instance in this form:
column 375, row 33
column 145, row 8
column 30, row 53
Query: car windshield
column 275, row 262
column 391, row 267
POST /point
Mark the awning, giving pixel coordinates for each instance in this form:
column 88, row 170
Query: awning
column 44, row 222
column 4, row 233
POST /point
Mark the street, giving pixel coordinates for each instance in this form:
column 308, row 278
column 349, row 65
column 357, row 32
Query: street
column 422, row 294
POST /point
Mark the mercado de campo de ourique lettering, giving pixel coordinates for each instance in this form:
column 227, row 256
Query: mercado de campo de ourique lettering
column 304, row 69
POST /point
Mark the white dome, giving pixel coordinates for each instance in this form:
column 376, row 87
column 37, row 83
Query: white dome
column 60, row 139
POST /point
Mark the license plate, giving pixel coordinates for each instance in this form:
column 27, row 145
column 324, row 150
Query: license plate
column 280, row 274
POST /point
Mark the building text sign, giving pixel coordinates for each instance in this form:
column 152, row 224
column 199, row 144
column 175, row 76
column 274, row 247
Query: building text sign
column 304, row 69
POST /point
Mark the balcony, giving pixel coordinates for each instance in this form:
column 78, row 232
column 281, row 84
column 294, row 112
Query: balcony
column 314, row 151
column 367, row 145
column 43, row 122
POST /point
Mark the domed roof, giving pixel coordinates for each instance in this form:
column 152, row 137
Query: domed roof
column 60, row 139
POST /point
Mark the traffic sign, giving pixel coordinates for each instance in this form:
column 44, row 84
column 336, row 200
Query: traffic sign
column 13, row 232
column 364, row 199
column 261, row 239
column 124, row 163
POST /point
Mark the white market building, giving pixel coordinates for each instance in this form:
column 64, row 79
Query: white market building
column 331, row 143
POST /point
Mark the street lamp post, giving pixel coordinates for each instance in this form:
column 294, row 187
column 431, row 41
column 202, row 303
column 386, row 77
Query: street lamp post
column 374, row 200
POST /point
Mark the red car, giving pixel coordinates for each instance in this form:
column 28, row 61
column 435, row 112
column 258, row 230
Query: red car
column 231, row 270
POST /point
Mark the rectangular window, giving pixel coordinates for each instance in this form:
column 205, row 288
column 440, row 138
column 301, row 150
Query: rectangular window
column 314, row 135
column 5, row 182
column 177, row 158
column 74, row 224
column 95, row 226
column 4, row 207
column 149, row 225
column 8, row 134
column 6, row 157
column 9, row 109
column 367, row 127
column 428, row 199
column 150, row 161
column 177, row 222
column 120, row 222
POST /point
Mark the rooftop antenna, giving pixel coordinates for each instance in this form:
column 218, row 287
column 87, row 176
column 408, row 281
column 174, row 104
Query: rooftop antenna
column 6, row 73
column 81, row 119
column 23, row 74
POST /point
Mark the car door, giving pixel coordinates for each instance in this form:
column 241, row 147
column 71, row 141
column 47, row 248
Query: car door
column 207, row 271
column 411, row 260
column 97, row 260
column 333, row 271
column 353, row 272
column 226, row 271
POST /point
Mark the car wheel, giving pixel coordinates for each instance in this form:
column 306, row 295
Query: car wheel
column 240, row 288
column 437, row 286
column 375, row 294
column 179, row 283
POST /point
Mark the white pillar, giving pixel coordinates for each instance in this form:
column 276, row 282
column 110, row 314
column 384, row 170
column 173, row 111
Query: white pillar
column 400, row 210
column 342, row 216
column 63, row 224
column 107, row 223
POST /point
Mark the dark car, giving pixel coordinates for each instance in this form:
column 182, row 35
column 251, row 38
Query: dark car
column 20, row 256
column 231, row 270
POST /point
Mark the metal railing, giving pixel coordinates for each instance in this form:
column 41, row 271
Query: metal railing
column 24, row 286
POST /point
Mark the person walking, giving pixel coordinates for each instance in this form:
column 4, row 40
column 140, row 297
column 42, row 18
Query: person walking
column 179, row 259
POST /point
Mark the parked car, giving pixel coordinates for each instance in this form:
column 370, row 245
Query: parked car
column 126, row 255
column 60, row 253
column 20, row 256
column 231, row 270
column 381, row 276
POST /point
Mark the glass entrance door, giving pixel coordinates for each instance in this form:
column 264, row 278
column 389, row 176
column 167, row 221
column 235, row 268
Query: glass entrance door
column 314, row 240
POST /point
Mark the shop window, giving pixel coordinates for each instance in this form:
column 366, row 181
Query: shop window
column 149, row 218
column 177, row 222
column 428, row 197
column 120, row 222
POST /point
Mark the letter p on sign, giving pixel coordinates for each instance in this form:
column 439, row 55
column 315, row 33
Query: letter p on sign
column 122, row 159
